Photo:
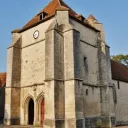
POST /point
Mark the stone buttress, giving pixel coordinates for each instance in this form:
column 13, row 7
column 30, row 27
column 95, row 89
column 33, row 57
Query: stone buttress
column 12, row 97
column 105, row 78
column 60, row 72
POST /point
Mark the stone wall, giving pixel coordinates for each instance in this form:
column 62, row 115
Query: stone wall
column 113, row 101
column 86, row 34
column 12, row 104
column 122, row 102
column 33, row 64
column 89, row 64
column 62, row 67
column 96, row 73
column 91, row 101
column 33, row 55
column 88, row 107
column 33, row 76
column 88, row 53
column 89, row 69
column 27, row 36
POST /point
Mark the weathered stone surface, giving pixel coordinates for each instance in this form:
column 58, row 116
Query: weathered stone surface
column 80, row 123
column 60, row 124
column 121, row 106
column 67, row 67
column 59, row 100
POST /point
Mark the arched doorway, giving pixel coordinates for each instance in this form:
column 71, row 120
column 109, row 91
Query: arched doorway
column 31, row 112
column 42, row 111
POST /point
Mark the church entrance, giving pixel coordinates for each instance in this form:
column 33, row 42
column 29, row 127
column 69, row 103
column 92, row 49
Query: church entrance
column 42, row 112
column 31, row 112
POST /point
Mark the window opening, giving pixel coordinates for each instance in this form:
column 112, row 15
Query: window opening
column 118, row 83
column 86, row 92
column 85, row 64
column 42, row 15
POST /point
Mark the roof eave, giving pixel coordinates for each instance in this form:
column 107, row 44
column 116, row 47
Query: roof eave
column 47, row 18
column 126, row 81
column 83, row 23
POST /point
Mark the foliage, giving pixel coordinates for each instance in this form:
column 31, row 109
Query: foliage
column 121, row 58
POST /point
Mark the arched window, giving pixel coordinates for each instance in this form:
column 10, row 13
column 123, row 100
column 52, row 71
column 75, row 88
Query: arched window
column 31, row 112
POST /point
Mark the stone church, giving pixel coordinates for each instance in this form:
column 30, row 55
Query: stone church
column 59, row 73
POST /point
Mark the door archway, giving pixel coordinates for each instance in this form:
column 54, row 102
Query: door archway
column 31, row 112
column 40, row 110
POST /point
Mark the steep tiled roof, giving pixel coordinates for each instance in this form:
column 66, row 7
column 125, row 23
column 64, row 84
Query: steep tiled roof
column 50, row 10
column 2, row 79
column 119, row 71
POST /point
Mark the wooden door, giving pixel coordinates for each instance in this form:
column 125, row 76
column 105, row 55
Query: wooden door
column 42, row 112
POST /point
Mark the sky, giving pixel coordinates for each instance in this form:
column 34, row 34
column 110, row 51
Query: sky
column 112, row 13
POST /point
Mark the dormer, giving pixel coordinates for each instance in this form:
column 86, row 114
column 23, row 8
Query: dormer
column 80, row 17
column 42, row 15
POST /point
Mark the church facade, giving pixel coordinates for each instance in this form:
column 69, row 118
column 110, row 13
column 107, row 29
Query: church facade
column 59, row 72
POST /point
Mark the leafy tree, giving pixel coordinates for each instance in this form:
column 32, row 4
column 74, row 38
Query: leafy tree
column 121, row 58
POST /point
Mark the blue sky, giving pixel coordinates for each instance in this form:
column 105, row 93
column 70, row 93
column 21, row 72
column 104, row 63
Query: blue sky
column 112, row 13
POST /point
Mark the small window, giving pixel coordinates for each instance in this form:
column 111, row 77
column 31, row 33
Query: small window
column 85, row 61
column 42, row 15
column 118, row 84
column 86, row 92
column 85, row 64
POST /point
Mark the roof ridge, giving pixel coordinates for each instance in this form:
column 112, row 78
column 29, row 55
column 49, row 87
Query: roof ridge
column 59, row 2
column 44, row 8
column 65, row 5
column 49, row 4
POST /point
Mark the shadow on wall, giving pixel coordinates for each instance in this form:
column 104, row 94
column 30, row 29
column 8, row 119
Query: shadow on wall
column 6, row 117
column 2, row 103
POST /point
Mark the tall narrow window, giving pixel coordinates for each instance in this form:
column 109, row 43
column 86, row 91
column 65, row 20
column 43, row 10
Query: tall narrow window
column 0, row 92
column 118, row 84
column 86, row 92
column 85, row 64
column 41, row 16
column 114, row 94
column 85, row 61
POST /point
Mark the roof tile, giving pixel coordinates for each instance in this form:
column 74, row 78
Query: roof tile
column 119, row 71
column 50, row 9
column 2, row 79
